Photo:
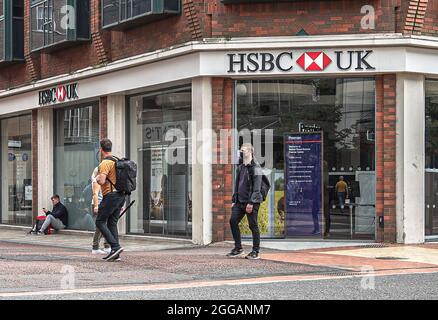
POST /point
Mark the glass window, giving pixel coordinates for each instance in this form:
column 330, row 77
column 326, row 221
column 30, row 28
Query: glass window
column 16, row 162
column 11, row 30
column 53, row 22
column 344, row 111
column 431, row 172
column 76, row 156
column 119, row 11
column 160, row 146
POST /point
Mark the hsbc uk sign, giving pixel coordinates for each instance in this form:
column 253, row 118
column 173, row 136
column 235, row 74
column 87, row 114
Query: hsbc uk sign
column 61, row 93
column 308, row 61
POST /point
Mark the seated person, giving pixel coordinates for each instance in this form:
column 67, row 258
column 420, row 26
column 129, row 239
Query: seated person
column 58, row 217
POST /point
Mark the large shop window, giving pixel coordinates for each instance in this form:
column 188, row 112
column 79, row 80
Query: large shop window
column 160, row 144
column 76, row 156
column 343, row 112
column 128, row 13
column 11, row 30
column 16, row 171
column 58, row 23
column 431, row 170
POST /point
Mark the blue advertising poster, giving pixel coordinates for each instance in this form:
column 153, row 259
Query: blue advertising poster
column 303, row 178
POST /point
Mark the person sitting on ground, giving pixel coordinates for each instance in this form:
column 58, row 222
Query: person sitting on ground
column 57, row 218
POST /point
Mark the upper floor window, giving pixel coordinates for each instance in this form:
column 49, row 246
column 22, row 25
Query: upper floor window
column 56, row 22
column 11, row 30
column 126, row 13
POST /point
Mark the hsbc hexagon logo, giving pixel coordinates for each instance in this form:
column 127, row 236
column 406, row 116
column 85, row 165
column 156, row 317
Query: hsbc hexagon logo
column 61, row 93
column 314, row 61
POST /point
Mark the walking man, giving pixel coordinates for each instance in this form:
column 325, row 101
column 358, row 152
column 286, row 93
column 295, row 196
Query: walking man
column 246, row 201
column 112, row 201
column 341, row 189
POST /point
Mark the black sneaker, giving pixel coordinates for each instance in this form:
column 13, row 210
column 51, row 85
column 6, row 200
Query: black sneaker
column 253, row 255
column 114, row 254
column 236, row 253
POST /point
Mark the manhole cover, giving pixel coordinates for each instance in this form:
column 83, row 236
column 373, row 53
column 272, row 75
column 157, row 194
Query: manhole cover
column 390, row 258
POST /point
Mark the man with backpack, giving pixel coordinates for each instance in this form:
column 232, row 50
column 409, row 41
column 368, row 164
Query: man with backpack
column 250, row 191
column 112, row 201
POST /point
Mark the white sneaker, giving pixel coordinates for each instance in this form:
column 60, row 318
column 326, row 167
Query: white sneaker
column 107, row 250
column 98, row 251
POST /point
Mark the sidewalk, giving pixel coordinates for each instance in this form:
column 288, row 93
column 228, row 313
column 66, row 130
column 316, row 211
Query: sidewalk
column 35, row 264
column 83, row 241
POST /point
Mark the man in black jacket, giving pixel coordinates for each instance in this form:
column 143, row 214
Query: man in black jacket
column 246, row 201
column 58, row 217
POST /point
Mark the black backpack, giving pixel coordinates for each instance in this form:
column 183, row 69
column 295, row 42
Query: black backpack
column 126, row 175
column 265, row 186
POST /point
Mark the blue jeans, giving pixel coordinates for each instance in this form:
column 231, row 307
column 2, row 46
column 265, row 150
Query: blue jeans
column 341, row 199
column 108, row 216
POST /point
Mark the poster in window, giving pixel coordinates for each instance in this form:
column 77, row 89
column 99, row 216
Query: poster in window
column 303, row 184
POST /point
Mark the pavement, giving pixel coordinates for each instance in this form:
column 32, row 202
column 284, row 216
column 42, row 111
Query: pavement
column 61, row 266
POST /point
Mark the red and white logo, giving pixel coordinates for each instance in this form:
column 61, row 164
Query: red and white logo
column 61, row 93
column 314, row 61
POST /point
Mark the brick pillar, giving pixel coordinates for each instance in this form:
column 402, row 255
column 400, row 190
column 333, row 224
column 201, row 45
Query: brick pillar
column 33, row 60
column 101, row 38
column 415, row 16
column 386, row 157
column 103, row 118
column 222, row 173
column 34, row 144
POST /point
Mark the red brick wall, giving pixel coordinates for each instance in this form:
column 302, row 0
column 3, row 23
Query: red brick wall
column 325, row 17
column 386, row 157
column 200, row 19
column 222, row 173
column 430, row 26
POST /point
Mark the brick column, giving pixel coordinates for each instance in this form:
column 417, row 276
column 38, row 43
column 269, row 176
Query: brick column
column 222, row 173
column 386, row 157
column 103, row 118
column 101, row 38
column 33, row 60
column 415, row 16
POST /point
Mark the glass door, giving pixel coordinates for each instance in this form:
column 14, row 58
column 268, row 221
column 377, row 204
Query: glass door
column 160, row 145
column 16, row 163
column 431, row 169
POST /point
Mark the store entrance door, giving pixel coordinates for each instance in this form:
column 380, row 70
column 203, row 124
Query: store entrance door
column 431, row 205
column 168, row 186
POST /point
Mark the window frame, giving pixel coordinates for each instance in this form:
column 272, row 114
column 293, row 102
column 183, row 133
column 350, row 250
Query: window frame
column 157, row 11
column 7, row 18
column 48, row 28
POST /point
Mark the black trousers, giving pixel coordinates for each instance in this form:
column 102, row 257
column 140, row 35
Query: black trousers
column 108, row 216
column 237, row 214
